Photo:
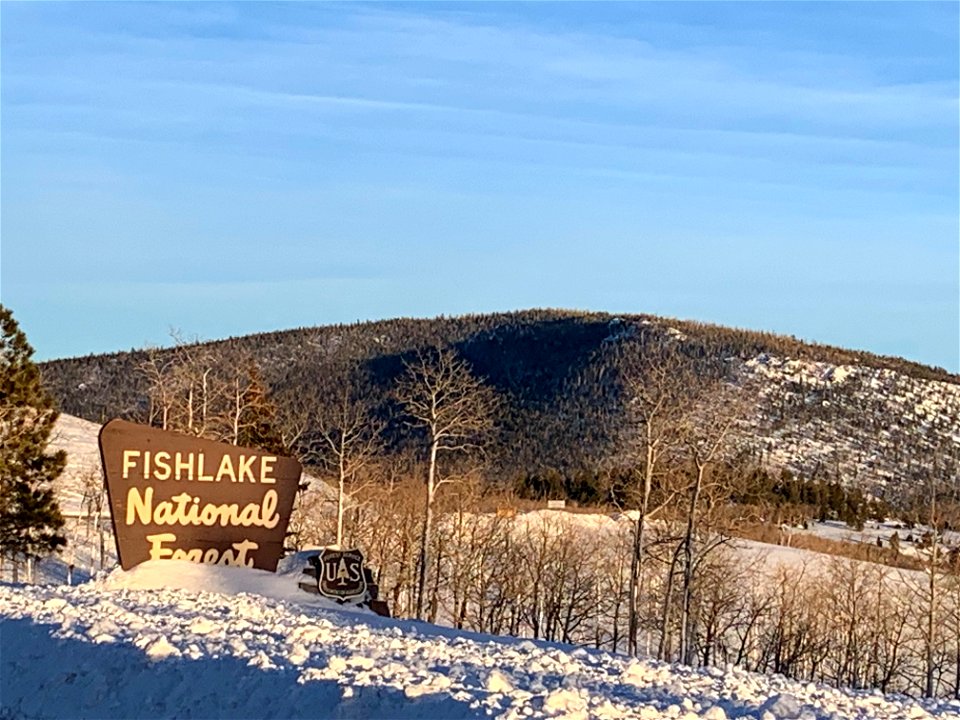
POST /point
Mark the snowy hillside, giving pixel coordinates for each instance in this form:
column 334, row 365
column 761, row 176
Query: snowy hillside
column 877, row 428
column 78, row 438
column 174, row 639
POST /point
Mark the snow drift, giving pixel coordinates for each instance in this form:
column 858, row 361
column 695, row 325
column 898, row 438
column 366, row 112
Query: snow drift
column 174, row 639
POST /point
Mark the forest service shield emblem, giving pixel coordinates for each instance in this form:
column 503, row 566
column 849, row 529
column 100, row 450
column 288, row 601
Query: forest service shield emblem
column 340, row 575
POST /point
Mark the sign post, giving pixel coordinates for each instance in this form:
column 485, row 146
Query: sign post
column 179, row 497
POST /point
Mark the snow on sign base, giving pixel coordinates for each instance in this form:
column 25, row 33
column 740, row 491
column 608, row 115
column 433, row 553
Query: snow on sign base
column 175, row 497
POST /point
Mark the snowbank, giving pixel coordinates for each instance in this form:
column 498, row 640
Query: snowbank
column 226, row 580
column 181, row 640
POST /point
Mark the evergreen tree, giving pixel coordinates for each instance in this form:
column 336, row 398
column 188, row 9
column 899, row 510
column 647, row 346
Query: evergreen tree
column 259, row 428
column 30, row 519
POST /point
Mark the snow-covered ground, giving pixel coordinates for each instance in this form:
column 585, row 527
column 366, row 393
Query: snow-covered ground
column 874, row 531
column 78, row 438
column 176, row 639
column 173, row 639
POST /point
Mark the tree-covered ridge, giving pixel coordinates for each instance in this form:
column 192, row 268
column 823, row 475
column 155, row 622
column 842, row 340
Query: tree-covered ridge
column 538, row 362
column 558, row 374
column 536, row 335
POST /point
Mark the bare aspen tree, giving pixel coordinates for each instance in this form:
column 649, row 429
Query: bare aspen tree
column 185, row 392
column 389, row 533
column 195, row 391
column 848, row 593
column 494, row 595
column 157, row 369
column 294, row 416
column 658, row 395
column 239, row 404
column 890, row 609
column 347, row 432
column 200, row 392
column 307, row 527
column 707, row 435
column 613, row 575
column 932, row 601
column 794, row 641
column 755, row 616
column 953, row 624
column 470, row 535
column 93, row 502
column 560, row 565
column 723, row 602
column 440, row 394
column 664, row 650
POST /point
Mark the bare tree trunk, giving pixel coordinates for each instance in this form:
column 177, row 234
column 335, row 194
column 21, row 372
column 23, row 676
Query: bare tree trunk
column 205, row 402
column 686, row 642
column 634, row 594
column 434, row 605
column 427, row 532
column 237, row 410
column 956, row 689
column 341, row 490
column 441, row 395
column 103, row 543
column 663, row 651
column 636, row 561
column 931, row 664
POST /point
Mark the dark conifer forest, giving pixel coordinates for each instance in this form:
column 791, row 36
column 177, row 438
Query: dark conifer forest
column 558, row 375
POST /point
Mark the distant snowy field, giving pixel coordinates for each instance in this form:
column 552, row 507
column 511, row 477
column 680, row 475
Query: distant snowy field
column 177, row 640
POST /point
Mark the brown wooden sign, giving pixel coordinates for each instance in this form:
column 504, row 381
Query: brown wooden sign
column 179, row 497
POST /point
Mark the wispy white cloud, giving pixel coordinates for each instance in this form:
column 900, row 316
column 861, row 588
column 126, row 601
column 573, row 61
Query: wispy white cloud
column 395, row 60
column 401, row 138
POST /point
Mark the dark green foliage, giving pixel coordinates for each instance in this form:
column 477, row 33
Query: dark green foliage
column 583, row 487
column 30, row 520
column 821, row 500
column 557, row 374
column 258, row 426
column 552, row 370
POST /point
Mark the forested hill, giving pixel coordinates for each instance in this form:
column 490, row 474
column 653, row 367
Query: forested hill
column 558, row 376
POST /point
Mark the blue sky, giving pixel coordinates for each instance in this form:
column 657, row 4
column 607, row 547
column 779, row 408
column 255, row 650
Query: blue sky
column 225, row 169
